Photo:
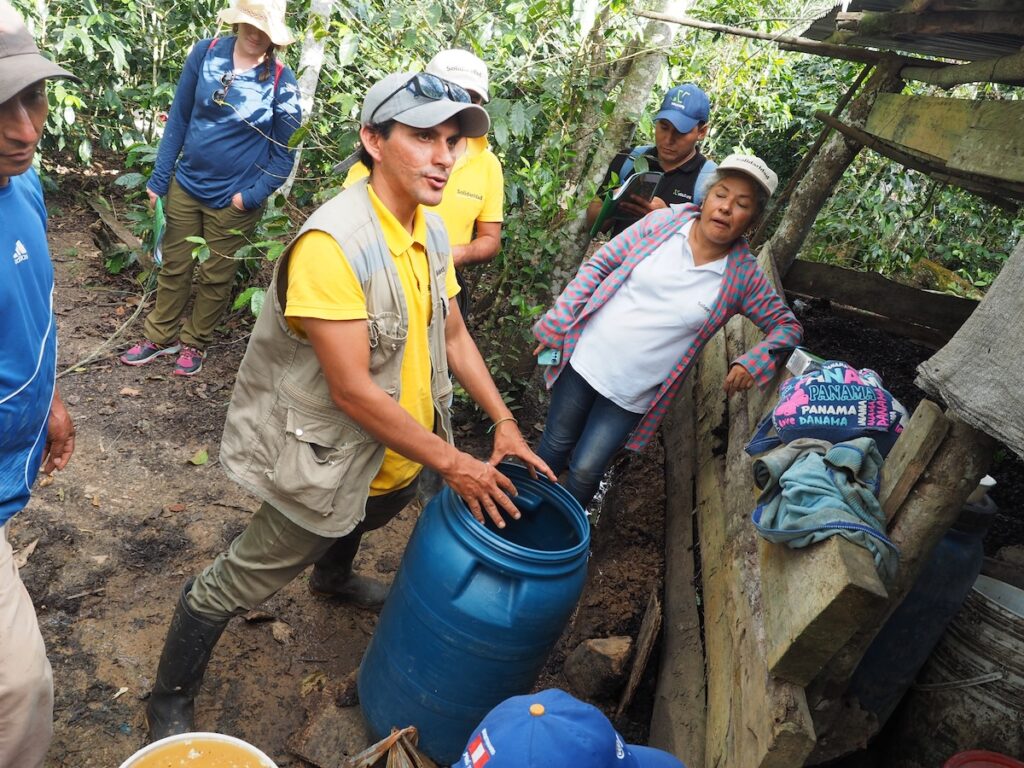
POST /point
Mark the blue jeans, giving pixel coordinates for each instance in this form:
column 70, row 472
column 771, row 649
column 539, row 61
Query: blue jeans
column 584, row 431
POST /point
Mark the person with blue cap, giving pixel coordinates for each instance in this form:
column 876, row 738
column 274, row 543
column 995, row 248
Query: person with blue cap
column 680, row 124
column 552, row 729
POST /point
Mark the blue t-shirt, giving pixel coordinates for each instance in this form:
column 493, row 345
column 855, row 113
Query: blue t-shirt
column 28, row 339
column 238, row 146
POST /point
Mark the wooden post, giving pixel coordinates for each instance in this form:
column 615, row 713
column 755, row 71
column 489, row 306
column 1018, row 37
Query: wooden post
column 826, row 170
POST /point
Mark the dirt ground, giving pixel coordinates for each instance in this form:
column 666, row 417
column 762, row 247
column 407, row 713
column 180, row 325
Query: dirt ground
column 111, row 540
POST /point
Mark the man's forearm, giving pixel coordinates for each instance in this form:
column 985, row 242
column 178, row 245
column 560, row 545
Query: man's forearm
column 483, row 247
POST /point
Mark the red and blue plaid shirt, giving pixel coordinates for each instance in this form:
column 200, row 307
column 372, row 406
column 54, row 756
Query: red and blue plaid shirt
column 745, row 291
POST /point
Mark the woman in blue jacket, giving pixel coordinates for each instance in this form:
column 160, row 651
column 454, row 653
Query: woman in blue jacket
column 223, row 153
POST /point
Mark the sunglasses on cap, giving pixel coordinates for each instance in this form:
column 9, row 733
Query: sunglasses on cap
column 429, row 87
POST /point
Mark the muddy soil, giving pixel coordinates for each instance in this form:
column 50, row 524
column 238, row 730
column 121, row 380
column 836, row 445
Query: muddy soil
column 137, row 512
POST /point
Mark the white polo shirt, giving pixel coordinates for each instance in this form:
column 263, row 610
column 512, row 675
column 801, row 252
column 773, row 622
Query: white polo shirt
column 630, row 345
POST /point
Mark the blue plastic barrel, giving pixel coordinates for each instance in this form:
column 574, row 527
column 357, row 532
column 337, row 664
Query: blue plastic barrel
column 473, row 613
column 905, row 641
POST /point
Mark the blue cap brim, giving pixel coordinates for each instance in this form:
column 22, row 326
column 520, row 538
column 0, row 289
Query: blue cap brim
column 647, row 757
column 682, row 123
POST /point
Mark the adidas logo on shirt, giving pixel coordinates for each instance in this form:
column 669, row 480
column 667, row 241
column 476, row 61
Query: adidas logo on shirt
column 20, row 252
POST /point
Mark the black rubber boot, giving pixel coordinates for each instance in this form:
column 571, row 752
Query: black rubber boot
column 190, row 641
column 332, row 576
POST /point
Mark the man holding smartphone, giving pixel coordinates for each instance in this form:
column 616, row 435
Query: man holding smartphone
column 680, row 124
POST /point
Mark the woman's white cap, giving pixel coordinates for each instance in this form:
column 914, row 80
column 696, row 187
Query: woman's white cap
column 266, row 15
column 462, row 68
column 754, row 167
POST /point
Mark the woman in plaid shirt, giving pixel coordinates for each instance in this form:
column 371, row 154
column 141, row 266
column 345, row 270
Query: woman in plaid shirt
column 638, row 313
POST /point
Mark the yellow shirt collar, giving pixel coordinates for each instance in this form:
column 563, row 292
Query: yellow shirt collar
column 395, row 235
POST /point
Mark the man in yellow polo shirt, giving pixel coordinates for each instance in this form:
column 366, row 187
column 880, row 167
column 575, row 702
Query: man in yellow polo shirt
column 472, row 206
column 343, row 393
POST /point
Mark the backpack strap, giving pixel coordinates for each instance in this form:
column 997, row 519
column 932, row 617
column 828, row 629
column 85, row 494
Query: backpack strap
column 627, row 165
column 761, row 440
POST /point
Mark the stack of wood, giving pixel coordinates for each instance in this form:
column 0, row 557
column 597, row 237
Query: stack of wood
column 783, row 628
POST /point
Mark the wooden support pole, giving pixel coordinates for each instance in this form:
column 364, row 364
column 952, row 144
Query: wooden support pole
column 979, row 184
column 869, row 24
column 792, row 43
column 825, row 170
column 927, row 512
column 1006, row 69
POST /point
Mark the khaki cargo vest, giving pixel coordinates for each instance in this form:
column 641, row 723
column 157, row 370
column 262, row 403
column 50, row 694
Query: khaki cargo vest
column 284, row 439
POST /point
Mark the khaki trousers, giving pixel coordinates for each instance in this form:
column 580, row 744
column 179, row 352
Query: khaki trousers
column 26, row 680
column 215, row 277
column 272, row 551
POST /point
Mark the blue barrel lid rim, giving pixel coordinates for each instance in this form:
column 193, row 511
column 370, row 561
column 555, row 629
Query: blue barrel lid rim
column 464, row 523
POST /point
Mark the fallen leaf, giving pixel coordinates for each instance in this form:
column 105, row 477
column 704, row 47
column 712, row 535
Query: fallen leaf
column 120, row 692
column 130, row 392
column 255, row 617
column 201, row 457
column 281, row 632
column 120, row 313
column 313, row 683
column 60, row 494
column 45, row 481
column 177, row 507
column 22, row 555
column 96, row 500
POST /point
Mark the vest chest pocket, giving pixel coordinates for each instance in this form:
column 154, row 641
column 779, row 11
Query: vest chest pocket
column 315, row 458
column 387, row 340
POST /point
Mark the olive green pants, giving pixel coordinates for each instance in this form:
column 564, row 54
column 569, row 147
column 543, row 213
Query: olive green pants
column 187, row 217
column 272, row 551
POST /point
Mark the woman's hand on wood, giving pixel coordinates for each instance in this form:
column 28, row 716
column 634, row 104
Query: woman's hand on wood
column 737, row 380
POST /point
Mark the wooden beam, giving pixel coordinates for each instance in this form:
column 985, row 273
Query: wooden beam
column 838, row 588
column 971, row 182
column 754, row 720
column 882, row 24
column 1008, row 70
column 793, row 43
column 978, row 137
column 910, row 456
column 871, row 292
column 678, row 722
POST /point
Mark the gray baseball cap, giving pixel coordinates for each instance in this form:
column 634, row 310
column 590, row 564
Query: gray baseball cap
column 21, row 64
column 398, row 98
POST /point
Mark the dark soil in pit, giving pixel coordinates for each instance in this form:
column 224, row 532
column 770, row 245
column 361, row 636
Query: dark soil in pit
column 116, row 535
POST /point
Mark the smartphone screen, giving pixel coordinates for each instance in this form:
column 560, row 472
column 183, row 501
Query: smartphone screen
column 549, row 357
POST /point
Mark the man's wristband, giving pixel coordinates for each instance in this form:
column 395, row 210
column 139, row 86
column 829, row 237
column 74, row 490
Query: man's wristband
column 494, row 426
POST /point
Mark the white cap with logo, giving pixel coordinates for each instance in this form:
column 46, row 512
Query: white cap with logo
column 462, row 68
column 755, row 168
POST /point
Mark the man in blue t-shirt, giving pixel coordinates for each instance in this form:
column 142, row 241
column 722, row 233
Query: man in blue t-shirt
column 35, row 427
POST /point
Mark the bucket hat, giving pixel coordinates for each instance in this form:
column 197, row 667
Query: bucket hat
column 463, row 68
column 266, row 15
column 755, row 168
column 552, row 729
column 423, row 100
column 21, row 64
column 685, row 106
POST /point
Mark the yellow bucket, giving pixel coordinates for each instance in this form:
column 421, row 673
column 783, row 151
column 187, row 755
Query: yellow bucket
column 199, row 750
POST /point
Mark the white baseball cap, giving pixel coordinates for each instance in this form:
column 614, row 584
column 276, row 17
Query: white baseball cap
column 754, row 167
column 462, row 68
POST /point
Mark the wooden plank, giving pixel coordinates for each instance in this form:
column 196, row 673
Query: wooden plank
column 931, row 125
column 120, row 231
column 753, row 719
column 649, row 628
column 815, row 599
column 911, row 454
column 870, row 292
column 994, row 143
column 678, row 720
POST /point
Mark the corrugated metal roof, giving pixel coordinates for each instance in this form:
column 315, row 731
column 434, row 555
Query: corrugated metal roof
column 962, row 47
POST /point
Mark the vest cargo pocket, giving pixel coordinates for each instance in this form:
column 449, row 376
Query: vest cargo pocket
column 315, row 459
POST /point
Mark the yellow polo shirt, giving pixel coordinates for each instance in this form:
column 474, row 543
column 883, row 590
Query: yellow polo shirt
column 475, row 191
column 322, row 285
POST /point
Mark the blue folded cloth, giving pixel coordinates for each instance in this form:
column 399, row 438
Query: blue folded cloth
column 811, row 492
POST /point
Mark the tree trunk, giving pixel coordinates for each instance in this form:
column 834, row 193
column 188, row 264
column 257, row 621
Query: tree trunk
column 311, row 61
column 975, row 374
column 826, row 170
column 633, row 98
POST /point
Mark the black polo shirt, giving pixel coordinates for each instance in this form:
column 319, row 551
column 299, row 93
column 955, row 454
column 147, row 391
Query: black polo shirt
column 676, row 186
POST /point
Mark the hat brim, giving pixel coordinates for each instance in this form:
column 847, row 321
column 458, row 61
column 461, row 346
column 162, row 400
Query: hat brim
column 473, row 120
column 22, row 70
column 278, row 33
column 682, row 123
column 647, row 757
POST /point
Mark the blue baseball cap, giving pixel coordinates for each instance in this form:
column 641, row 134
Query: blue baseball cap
column 685, row 106
column 552, row 729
